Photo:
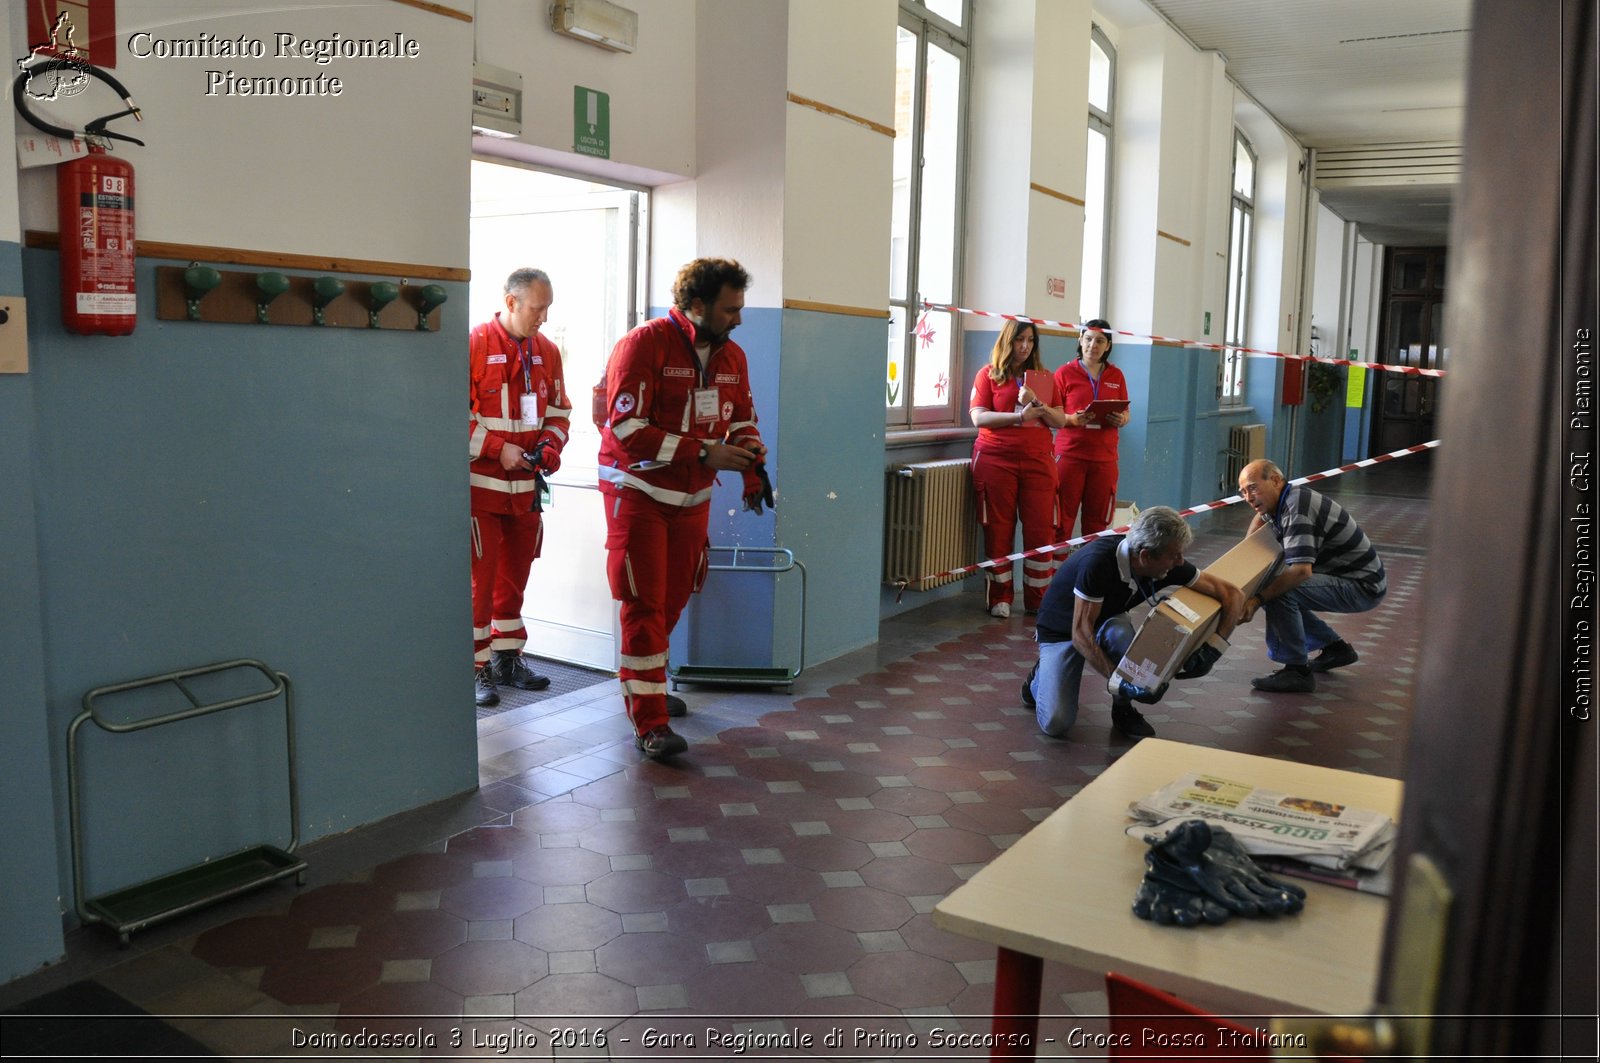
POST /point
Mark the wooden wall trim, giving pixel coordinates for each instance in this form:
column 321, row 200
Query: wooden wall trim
column 833, row 308
column 437, row 9
column 238, row 256
column 829, row 109
column 1174, row 239
column 1048, row 191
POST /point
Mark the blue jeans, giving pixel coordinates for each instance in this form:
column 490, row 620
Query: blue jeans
column 1055, row 688
column 1294, row 631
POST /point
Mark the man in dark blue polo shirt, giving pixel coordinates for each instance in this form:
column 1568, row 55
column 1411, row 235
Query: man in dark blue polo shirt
column 1328, row 564
column 1086, row 601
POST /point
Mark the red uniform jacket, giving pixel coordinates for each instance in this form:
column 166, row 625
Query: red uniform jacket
column 1076, row 390
column 663, row 405
column 1031, row 439
column 504, row 370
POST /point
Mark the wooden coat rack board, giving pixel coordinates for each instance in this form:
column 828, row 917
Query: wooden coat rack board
column 234, row 302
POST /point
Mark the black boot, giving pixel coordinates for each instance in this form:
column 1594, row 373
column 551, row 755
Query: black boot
column 512, row 671
column 483, row 690
column 1128, row 721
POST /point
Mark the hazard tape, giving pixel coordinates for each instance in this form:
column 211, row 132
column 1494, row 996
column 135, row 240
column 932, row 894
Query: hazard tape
column 1204, row 507
column 1404, row 370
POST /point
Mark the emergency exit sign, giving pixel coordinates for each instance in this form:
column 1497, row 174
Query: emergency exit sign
column 591, row 122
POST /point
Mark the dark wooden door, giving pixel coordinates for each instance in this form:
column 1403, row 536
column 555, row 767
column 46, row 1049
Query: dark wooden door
column 1412, row 333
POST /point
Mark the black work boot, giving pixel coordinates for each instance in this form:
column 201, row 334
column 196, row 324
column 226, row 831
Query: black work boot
column 1128, row 720
column 512, row 671
column 483, row 690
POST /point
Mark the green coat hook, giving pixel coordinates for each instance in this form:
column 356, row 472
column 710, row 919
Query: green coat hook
column 268, row 287
column 430, row 298
column 379, row 296
column 324, row 291
column 198, row 281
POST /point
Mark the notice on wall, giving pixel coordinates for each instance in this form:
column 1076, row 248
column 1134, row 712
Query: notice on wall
column 1355, row 388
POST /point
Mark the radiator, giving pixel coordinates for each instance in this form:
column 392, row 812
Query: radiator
column 1246, row 443
column 929, row 524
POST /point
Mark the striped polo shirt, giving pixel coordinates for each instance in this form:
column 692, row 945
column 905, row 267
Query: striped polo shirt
column 1314, row 528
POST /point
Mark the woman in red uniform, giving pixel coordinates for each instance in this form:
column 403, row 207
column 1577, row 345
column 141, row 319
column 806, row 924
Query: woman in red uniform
column 1011, row 464
column 1086, row 447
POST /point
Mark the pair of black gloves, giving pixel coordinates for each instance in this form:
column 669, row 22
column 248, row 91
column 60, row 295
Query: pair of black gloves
column 1199, row 873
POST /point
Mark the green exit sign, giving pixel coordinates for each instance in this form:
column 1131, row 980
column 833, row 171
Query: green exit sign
column 591, row 122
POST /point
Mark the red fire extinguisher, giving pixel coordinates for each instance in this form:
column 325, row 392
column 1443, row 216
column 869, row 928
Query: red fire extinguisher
column 94, row 202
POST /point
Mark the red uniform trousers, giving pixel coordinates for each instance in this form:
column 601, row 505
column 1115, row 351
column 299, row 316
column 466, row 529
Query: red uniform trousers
column 1007, row 485
column 503, row 548
column 656, row 556
column 1091, row 484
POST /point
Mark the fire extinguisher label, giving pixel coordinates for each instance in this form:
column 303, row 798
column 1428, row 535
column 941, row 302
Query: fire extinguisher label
column 107, row 303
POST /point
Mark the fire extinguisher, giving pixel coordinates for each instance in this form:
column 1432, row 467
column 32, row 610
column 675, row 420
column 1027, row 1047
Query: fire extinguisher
column 94, row 204
column 94, row 208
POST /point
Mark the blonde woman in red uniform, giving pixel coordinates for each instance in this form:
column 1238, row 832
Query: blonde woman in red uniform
column 1086, row 445
column 1011, row 468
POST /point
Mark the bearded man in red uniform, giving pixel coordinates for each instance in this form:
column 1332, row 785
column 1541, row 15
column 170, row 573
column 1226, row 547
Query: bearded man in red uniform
column 520, row 417
column 680, row 410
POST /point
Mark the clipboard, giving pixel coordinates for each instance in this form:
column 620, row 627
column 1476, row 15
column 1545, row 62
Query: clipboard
column 1043, row 386
column 1100, row 409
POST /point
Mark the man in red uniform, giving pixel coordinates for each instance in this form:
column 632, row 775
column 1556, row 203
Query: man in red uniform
column 520, row 415
column 680, row 408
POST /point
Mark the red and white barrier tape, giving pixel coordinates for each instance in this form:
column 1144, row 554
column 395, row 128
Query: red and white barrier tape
column 1204, row 507
column 1406, row 370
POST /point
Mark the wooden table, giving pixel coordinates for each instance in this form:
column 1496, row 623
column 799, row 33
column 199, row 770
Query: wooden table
column 1064, row 892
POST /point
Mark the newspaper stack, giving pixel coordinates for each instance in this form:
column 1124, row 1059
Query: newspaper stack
column 1269, row 824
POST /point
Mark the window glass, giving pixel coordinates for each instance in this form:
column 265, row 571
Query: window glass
column 1099, row 77
column 949, row 10
column 940, row 150
column 1092, row 300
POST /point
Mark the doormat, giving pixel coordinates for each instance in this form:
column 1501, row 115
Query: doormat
column 564, row 679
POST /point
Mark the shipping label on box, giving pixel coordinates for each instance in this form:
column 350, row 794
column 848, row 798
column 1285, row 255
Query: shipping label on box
column 1181, row 622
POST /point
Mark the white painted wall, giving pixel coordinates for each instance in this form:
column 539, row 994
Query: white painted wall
column 257, row 172
column 652, row 89
column 836, row 193
column 1329, row 283
column 10, row 221
column 1001, row 135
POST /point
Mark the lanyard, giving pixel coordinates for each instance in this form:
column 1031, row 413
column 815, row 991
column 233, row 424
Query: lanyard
column 525, row 356
column 694, row 355
column 1094, row 384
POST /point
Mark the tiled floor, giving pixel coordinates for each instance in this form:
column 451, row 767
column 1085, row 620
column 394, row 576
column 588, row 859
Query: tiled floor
column 776, row 879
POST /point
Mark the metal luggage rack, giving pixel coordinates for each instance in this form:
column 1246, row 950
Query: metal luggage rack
column 781, row 560
column 164, row 897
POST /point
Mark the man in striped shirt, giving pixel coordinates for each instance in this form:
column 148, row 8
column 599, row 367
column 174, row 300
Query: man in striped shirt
column 1328, row 564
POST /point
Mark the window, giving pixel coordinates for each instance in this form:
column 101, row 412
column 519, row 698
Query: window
column 1097, row 178
column 929, row 179
column 1241, row 228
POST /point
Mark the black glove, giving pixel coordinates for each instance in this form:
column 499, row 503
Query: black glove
column 1201, row 660
column 1196, row 857
column 1134, row 692
column 1163, row 903
column 758, row 489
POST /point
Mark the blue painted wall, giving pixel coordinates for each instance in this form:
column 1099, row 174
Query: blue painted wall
column 206, row 492
column 30, row 924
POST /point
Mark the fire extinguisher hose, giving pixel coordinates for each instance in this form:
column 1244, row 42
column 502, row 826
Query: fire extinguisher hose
column 97, row 127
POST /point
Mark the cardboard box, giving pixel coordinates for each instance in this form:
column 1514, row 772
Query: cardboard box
column 1176, row 628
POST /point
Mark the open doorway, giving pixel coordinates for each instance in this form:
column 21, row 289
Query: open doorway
column 586, row 235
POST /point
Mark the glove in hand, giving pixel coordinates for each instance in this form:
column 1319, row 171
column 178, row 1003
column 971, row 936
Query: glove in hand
column 1199, row 662
column 1198, row 858
column 1163, row 903
column 1141, row 694
column 758, row 489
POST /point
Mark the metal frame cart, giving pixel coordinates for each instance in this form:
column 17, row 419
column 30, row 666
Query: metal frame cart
column 781, row 560
column 138, row 906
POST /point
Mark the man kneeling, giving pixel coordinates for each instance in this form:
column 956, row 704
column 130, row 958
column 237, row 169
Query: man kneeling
column 1083, row 618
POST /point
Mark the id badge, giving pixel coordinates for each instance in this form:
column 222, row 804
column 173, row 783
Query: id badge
column 707, row 404
column 530, row 410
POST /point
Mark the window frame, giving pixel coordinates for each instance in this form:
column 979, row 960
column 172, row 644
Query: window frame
column 1236, row 285
column 929, row 27
column 1102, row 122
